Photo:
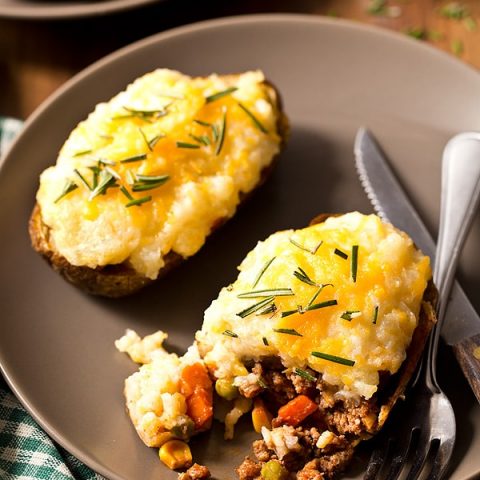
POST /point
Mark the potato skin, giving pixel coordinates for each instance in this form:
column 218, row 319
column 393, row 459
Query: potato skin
column 120, row 280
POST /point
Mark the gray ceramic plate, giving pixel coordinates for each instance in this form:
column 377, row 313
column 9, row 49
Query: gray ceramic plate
column 56, row 343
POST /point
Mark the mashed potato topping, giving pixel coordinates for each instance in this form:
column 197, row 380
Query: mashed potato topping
column 156, row 167
column 341, row 297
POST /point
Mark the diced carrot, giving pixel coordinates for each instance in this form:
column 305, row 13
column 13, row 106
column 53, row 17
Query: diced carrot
column 296, row 410
column 193, row 377
column 200, row 408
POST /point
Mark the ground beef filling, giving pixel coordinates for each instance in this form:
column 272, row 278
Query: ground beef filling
column 322, row 445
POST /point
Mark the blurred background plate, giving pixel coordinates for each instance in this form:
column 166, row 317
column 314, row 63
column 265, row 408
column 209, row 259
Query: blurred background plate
column 56, row 343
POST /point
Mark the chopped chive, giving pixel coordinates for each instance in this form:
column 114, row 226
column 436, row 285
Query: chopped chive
column 221, row 135
column 304, row 374
column 82, row 152
column 126, row 192
column 313, row 251
column 317, row 293
column 229, row 333
column 262, row 383
column 138, row 201
column 334, row 358
column 223, row 93
column 354, row 262
column 202, row 139
column 350, row 314
column 105, row 161
column 69, row 186
column 276, row 292
column 375, row 315
column 257, row 306
column 303, row 277
column 287, row 313
column 265, row 341
column 202, row 123
column 340, row 253
column 82, row 178
column 253, row 118
column 268, row 309
column 187, row 145
column 262, row 271
column 135, row 158
column 288, row 331
column 316, row 306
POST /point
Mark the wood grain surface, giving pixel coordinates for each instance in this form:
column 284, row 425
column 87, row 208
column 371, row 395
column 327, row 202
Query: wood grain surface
column 38, row 56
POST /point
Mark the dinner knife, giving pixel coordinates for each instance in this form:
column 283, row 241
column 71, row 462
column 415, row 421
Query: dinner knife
column 461, row 329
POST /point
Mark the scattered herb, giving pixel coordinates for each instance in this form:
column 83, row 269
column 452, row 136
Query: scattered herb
column 276, row 292
column 105, row 181
column 454, row 10
column 203, row 123
column 144, row 115
column 215, row 133
column 154, row 140
column 126, row 192
column 148, row 182
column 287, row 313
column 82, row 179
column 229, row 333
column 304, row 374
column 268, row 309
column 221, row 134
column 303, row 277
column 457, row 47
column 265, row 341
column 253, row 118
column 288, row 331
column 106, row 161
column 334, row 358
column 313, row 251
column 316, row 306
column 202, row 139
column 262, row 271
column 113, row 173
column 83, row 152
column 69, row 186
column 317, row 293
column 350, row 314
column 138, row 201
column 354, row 262
column 223, row 93
column 257, row 306
column 134, row 158
column 375, row 315
column 95, row 170
column 340, row 253
column 187, row 145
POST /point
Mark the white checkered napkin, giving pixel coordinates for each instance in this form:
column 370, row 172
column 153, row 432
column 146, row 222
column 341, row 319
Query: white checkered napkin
column 26, row 451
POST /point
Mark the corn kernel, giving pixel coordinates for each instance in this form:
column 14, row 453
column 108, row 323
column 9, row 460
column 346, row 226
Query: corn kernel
column 261, row 417
column 175, row 454
column 163, row 437
column 226, row 389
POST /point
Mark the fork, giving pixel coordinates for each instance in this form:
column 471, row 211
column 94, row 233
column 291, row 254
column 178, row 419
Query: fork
column 419, row 438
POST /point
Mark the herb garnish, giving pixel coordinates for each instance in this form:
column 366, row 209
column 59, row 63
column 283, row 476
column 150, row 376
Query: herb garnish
column 69, row 186
column 82, row 179
column 265, row 341
column 317, row 293
column 354, row 262
column 134, row 158
column 144, row 115
column 126, row 192
column 203, row 123
column 138, row 201
column 276, row 292
column 350, row 314
column 106, row 181
column 316, row 306
column 268, row 309
column 202, row 139
column 149, row 182
column 153, row 141
column 106, row 161
column 257, row 306
column 341, row 254
column 287, row 331
column 221, row 134
column 83, row 152
column 262, row 271
column 187, row 145
column 253, row 118
column 334, row 358
column 304, row 374
column 229, row 333
column 312, row 251
column 375, row 315
column 303, row 277
column 223, row 93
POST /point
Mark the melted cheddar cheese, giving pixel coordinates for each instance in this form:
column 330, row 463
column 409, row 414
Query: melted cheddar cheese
column 204, row 149
column 348, row 319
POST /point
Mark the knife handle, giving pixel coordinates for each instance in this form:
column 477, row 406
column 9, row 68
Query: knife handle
column 467, row 352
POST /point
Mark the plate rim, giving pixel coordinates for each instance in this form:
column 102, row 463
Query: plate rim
column 138, row 45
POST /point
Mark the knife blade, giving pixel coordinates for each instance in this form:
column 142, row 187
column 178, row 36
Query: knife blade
column 461, row 329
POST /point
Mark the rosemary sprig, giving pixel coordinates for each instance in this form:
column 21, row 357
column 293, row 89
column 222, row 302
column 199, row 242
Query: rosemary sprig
column 187, row 145
column 105, row 181
column 354, row 266
column 153, row 141
column 317, row 293
column 312, row 251
column 304, row 374
column 287, row 313
column 257, row 306
column 149, row 182
column 145, row 114
column 334, row 358
column 262, row 271
column 341, row 254
column 218, row 95
column 254, row 119
column 138, row 201
column 268, row 309
column 69, row 186
column 82, row 179
column 96, row 171
column 229, row 333
column 276, row 292
column 316, row 306
column 202, row 139
column 126, row 193
column 303, row 277
column 350, row 314
column 134, row 158
column 221, row 134
column 288, row 331
column 375, row 315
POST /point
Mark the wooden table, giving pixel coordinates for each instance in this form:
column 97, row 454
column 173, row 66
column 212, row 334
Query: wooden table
column 37, row 56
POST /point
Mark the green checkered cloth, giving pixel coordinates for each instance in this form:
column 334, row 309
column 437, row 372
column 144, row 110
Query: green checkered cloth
column 26, row 451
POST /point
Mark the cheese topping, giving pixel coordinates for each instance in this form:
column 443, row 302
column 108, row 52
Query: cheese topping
column 156, row 167
column 347, row 319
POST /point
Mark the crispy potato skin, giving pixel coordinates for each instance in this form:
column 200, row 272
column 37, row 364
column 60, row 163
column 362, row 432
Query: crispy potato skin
column 119, row 280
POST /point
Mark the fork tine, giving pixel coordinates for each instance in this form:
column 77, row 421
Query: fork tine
column 424, row 446
column 377, row 459
column 398, row 461
column 441, row 461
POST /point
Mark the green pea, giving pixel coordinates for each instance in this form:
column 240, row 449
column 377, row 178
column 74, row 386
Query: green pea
column 274, row 470
column 226, row 389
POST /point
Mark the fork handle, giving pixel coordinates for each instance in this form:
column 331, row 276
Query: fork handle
column 467, row 352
